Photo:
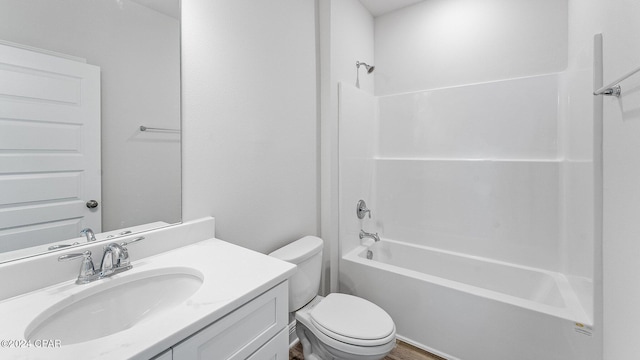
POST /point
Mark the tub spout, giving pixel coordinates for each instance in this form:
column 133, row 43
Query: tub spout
column 364, row 234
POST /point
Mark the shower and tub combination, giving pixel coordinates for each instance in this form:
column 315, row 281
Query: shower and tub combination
column 485, row 248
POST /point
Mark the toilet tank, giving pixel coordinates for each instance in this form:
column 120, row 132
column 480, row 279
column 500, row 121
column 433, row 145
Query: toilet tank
column 306, row 253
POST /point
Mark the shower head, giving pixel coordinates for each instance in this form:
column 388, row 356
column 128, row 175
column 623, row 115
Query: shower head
column 369, row 68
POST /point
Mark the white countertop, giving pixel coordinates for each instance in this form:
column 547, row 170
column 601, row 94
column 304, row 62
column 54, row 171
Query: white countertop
column 232, row 276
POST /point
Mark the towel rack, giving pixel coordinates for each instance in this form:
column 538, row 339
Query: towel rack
column 145, row 128
column 614, row 89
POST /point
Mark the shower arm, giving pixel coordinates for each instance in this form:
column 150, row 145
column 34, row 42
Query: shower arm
column 369, row 68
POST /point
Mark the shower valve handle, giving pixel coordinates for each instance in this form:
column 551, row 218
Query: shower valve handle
column 361, row 210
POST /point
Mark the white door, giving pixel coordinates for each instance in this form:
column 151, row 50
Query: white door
column 49, row 148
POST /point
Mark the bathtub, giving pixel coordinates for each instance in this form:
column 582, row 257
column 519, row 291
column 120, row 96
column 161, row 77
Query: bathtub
column 471, row 308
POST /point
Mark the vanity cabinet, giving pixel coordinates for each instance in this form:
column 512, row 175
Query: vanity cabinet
column 257, row 330
column 167, row 355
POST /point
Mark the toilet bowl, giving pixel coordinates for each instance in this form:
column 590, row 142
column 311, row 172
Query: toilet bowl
column 339, row 326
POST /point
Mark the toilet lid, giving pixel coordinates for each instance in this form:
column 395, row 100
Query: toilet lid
column 353, row 319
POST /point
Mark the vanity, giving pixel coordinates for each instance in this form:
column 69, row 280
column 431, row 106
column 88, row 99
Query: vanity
column 195, row 298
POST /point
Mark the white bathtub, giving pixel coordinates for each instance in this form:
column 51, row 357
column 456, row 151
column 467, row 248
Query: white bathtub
column 470, row 308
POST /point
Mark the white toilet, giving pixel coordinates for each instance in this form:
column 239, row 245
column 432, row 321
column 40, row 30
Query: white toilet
column 338, row 326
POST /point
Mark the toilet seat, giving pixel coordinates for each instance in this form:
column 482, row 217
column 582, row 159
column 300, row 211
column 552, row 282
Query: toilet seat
column 352, row 320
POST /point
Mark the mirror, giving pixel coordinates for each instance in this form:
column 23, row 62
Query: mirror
column 89, row 116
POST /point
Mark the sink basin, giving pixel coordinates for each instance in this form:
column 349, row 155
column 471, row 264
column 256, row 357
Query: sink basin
column 115, row 304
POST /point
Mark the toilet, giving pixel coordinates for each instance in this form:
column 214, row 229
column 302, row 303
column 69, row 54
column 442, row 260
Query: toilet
column 338, row 326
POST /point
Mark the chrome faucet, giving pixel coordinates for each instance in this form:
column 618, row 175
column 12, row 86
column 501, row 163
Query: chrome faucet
column 89, row 234
column 87, row 272
column 115, row 259
column 86, row 232
column 364, row 234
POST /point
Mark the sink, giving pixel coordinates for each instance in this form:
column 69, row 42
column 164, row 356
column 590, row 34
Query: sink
column 115, row 304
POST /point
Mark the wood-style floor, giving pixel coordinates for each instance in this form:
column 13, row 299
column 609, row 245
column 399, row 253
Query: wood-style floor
column 402, row 351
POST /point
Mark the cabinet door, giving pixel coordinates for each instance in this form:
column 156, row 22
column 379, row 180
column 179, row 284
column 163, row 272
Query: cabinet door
column 242, row 332
column 167, row 355
column 276, row 349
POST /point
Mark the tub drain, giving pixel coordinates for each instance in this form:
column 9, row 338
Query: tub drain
column 369, row 254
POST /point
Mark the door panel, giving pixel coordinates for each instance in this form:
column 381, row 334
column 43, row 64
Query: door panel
column 49, row 148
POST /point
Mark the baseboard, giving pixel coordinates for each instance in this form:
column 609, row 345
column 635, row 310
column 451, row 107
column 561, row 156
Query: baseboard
column 426, row 348
column 293, row 337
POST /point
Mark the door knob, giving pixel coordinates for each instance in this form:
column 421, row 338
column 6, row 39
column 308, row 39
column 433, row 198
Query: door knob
column 92, row 204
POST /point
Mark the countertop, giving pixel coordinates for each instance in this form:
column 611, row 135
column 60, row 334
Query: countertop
column 232, row 276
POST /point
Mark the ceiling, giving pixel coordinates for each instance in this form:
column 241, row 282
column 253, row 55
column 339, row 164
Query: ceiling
column 375, row 7
column 380, row 7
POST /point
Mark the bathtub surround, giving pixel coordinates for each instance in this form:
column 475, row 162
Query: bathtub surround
column 473, row 160
column 480, row 166
column 500, row 177
column 477, row 171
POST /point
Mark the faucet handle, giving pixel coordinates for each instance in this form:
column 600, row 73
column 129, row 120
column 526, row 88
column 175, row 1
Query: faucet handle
column 86, row 268
column 60, row 246
column 125, row 243
column 361, row 209
column 67, row 257
column 124, row 260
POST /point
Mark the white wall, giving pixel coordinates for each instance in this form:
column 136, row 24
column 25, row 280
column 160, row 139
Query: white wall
column 137, row 50
column 439, row 43
column 249, row 119
column 617, row 290
column 346, row 36
column 352, row 30
column 621, row 248
column 495, row 206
